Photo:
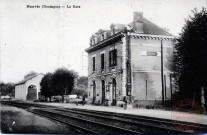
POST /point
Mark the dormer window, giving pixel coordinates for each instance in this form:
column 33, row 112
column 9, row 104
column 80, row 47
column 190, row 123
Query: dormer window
column 93, row 41
column 112, row 31
column 102, row 36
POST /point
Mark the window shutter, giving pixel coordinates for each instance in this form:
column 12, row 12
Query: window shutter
column 94, row 64
column 102, row 61
column 114, row 57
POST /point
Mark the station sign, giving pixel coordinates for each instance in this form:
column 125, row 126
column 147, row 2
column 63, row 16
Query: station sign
column 145, row 53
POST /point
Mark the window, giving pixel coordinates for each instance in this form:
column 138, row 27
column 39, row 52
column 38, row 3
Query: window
column 102, row 61
column 93, row 41
column 102, row 36
column 94, row 64
column 112, row 31
column 113, row 58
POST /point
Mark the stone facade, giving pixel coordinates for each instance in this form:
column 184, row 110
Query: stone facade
column 137, row 70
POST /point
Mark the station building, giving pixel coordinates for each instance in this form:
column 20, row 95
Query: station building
column 28, row 88
column 125, row 63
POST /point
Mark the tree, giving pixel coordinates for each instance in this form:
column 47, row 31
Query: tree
column 6, row 89
column 63, row 81
column 191, row 58
column 46, row 85
column 31, row 73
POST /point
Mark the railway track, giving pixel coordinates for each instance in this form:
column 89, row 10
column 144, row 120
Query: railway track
column 123, row 121
column 162, row 125
column 84, row 125
column 94, row 126
column 75, row 126
column 91, row 121
column 28, row 107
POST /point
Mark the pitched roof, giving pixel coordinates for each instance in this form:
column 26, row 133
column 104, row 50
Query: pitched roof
column 153, row 29
column 140, row 25
column 27, row 79
column 148, row 28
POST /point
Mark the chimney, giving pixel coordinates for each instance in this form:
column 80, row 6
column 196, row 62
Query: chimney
column 138, row 22
column 138, row 17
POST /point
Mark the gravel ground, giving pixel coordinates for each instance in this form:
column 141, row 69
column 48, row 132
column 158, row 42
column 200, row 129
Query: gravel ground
column 15, row 120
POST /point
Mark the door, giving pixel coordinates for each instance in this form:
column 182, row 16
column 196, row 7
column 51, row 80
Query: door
column 114, row 91
column 103, row 91
column 94, row 91
column 32, row 93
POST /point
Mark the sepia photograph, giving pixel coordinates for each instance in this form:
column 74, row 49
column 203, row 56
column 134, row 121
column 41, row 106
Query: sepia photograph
column 103, row 67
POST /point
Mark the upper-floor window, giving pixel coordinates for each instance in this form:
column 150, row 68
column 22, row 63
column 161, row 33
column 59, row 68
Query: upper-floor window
column 94, row 63
column 113, row 58
column 93, row 41
column 102, row 36
column 102, row 61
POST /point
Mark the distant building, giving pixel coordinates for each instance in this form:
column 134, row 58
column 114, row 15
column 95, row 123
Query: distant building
column 29, row 88
column 125, row 63
column 82, row 83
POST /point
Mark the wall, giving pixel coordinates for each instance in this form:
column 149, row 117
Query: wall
column 20, row 92
column 153, row 86
column 141, row 62
column 149, row 68
column 106, row 75
column 97, row 54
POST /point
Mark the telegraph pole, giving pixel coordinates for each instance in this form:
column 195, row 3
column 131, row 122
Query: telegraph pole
column 165, row 87
column 162, row 74
column 171, row 86
column 146, row 89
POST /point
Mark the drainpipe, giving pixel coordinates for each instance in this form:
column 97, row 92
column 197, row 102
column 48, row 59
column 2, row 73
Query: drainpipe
column 162, row 74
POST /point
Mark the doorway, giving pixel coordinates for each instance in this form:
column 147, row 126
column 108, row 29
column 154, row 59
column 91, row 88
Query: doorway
column 103, row 91
column 94, row 91
column 113, row 91
column 32, row 93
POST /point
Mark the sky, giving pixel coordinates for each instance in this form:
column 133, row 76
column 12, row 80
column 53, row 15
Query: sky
column 44, row 39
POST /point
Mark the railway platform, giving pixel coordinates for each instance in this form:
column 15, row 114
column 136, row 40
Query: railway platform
column 156, row 113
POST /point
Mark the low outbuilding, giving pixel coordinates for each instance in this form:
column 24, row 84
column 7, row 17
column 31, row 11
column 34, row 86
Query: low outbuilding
column 29, row 88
